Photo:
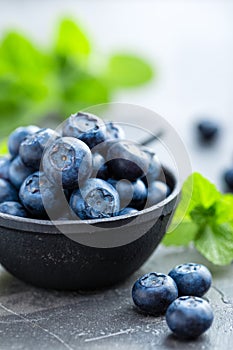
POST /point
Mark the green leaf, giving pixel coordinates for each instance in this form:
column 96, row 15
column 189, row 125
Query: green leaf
column 3, row 147
column 59, row 80
column 215, row 242
column 224, row 212
column 71, row 40
column 205, row 217
column 182, row 235
column 204, row 192
column 20, row 58
column 125, row 70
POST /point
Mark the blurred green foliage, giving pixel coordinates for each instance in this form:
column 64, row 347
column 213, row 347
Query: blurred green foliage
column 36, row 82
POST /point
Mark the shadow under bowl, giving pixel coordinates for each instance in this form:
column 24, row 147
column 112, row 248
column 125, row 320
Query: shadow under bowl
column 38, row 253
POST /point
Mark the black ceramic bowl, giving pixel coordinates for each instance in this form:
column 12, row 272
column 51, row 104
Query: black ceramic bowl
column 37, row 252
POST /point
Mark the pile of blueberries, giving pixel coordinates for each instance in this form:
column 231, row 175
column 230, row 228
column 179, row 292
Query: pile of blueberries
column 88, row 162
column 178, row 295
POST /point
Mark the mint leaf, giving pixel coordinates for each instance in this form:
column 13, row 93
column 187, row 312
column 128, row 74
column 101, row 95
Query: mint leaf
column 125, row 70
column 4, row 147
column 215, row 242
column 182, row 235
column 57, row 80
column 21, row 59
column 71, row 40
column 204, row 193
column 204, row 216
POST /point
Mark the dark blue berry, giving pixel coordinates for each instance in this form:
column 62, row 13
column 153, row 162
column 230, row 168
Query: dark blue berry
column 4, row 167
column 114, row 131
column 208, row 130
column 228, row 177
column 154, row 292
column 95, row 200
column 13, row 208
column 18, row 135
column 67, row 161
column 99, row 167
column 189, row 317
column 154, row 167
column 7, row 192
column 157, row 192
column 32, row 148
column 38, row 196
column 191, row 279
column 127, row 211
column 86, row 127
column 132, row 194
column 127, row 160
column 18, row 172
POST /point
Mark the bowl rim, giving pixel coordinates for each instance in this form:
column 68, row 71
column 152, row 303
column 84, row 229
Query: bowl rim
column 38, row 225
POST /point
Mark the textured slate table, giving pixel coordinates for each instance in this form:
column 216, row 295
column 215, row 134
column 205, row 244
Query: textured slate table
column 31, row 318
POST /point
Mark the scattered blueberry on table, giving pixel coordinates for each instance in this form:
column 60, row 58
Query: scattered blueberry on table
column 191, row 279
column 154, row 292
column 88, row 161
column 188, row 317
column 208, row 130
column 228, row 177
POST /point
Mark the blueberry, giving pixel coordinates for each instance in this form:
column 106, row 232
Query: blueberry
column 95, row 200
column 7, row 192
column 157, row 192
column 154, row 167
column 13, row 208
column 67, row 161
column 228, row 177
column 18, row 172
column 189, row 317
column 17, row 136
column 208, row 130
column 4, row 167
column 37, row 190
column 114, row 131
column 127, row 160
column 154, row 292
column 127, row 211
column 132, row 194
column 86, row 127
column 99, row 166
column 191, row 279
column 32, row 148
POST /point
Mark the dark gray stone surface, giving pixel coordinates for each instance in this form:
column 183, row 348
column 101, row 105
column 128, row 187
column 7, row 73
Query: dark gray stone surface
column 32, row 318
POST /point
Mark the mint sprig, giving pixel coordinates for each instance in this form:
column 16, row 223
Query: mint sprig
column 65, row 76
column 204, row 216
